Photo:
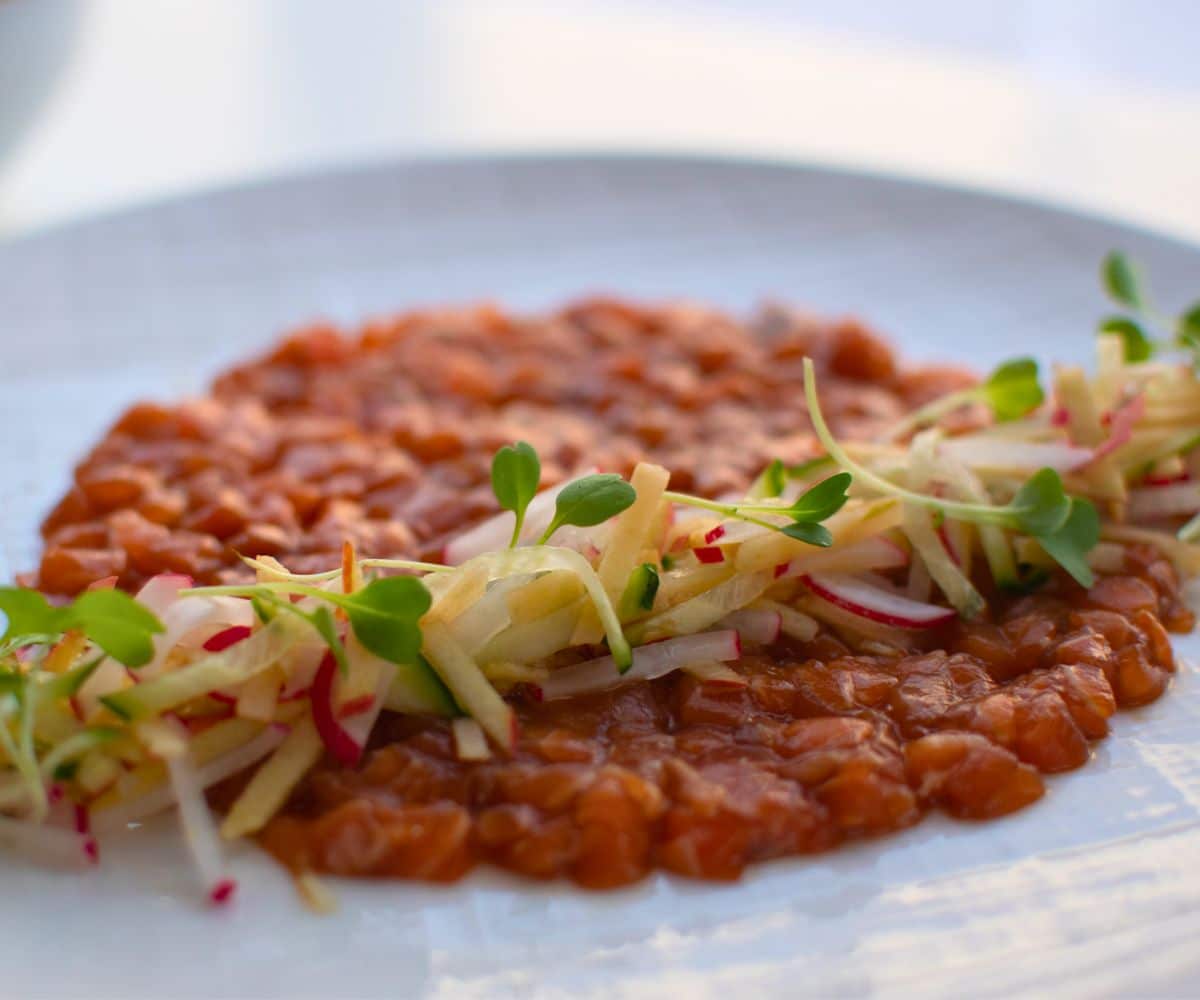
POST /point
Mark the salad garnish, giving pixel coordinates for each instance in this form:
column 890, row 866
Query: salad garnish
column 115, row 707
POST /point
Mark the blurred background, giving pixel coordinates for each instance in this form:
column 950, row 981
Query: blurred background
column 105, row 103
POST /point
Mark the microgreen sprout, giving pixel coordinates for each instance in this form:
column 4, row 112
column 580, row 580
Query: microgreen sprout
column 805, row 513
column 1123, row 281
column 1125, row 284
column 1067, row 527
column 111, row 619
column 1010, row 392
column 773, row 480
column 516, row 471
column 384, row 615
column 589, row 501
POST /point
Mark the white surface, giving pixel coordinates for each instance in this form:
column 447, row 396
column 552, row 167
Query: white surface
column 1092, row 891
column 1090, row 101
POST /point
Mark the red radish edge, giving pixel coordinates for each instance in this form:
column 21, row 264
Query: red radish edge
column 1121, row 422
column 226, row 637
column 338, row 742
column 715, row 533
column 1182, row 477
column 222, row 892
column 827, row 589
column 781, row 569
column 709, row 554
column 356, row 706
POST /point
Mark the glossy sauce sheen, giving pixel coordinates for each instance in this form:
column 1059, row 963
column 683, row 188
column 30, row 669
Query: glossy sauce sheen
column 387, row 439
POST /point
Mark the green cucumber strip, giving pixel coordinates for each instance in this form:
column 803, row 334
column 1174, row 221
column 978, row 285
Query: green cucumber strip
column 639, row 592
column 417, row 690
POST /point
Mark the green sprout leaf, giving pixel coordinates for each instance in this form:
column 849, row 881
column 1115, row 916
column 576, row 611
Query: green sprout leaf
column 116, row 623
column 111, row 619
column 28, row 613
column 1070, row 543
column 1187, row 330
column 822, row 501
column 772, row 480
column 516, row 472
column 1138, row 346
column 1122, row 281
column 1041, row 507
column 809, row 532
column 1012, row 390
column 590, row 500
column 385, row 616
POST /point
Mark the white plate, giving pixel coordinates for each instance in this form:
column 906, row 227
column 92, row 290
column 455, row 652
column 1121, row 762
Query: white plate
column 1093, row 890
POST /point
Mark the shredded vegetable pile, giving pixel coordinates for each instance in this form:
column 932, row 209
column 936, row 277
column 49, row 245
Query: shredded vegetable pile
column 118, row 707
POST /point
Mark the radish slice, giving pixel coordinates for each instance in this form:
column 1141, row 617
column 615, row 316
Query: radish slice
column 1121, row 423
column 980, row 452
column 160, row 592
column 226, row 638
column 754, row 624
column 494, row 533
column 48, row 845
column 878, row 605
column 1174, row 500
column 119, row 816
column 650, row 661
column 199, row 830
column 188, row 615
column 340, row 744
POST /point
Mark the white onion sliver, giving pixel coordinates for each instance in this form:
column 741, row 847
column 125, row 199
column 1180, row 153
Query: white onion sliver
column 161, row 591
column 754, row 624
column 874, row 553
column 216, row 770
column 199, row 830
column 1172, row 500
column 358, row 727
column 470, row 742
column 300, row 667
column 979, row 452
column 186, row 615
column 650, row 661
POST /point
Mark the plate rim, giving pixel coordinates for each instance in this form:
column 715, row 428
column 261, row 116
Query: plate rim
column 567, row 157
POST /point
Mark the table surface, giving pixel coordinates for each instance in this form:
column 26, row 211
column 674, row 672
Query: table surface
column 1076, row 101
